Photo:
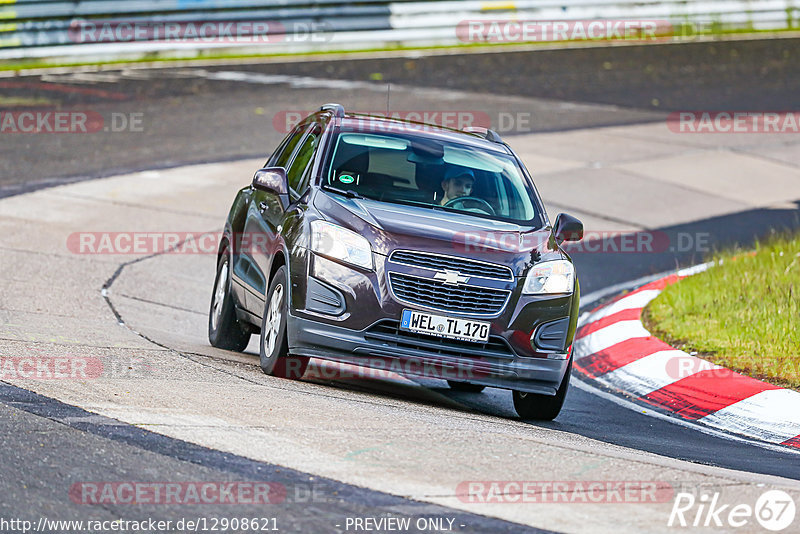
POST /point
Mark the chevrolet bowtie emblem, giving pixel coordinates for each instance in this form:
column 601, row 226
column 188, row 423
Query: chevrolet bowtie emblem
column 451, row 278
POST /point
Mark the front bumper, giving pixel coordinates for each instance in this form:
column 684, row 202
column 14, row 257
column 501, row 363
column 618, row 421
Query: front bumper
column 349, row 315
column 379, row 348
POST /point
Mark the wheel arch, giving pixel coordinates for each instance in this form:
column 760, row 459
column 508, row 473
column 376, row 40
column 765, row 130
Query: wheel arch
column 278, row 261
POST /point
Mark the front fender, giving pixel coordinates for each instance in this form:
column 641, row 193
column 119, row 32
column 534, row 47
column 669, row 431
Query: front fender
column 234, row 223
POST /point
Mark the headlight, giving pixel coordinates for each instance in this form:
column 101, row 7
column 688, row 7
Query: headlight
column 550, row 277
column 339, row 243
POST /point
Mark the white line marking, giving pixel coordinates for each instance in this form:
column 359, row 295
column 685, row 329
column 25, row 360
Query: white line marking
column 655, row 371
column 689, row 271
column 588, row 300
column 772, row 415
column 608, row 336
column 308, row 82
column 300, row 82
column 639, row 299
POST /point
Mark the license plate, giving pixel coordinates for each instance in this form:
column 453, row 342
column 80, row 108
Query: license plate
column 448, row 327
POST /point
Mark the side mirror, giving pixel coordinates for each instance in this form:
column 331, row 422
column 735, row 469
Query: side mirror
column 272, row 180
column 568, row 228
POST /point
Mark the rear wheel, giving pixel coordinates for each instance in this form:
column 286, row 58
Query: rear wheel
column 224, row 329
column 542, row 407
column 466, row 387
column 274, row 343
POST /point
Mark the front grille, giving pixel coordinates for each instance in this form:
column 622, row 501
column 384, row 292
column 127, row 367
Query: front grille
column 429, row 293
column 388, row 331
column 464, row 266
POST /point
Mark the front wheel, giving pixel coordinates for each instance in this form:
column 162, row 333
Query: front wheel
column 542, row 407
column 274, row 343
column 224, row 329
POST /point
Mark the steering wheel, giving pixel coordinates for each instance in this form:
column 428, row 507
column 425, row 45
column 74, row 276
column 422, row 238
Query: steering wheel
column 477, row 203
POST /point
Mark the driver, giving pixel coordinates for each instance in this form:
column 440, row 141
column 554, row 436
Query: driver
column 457, row 183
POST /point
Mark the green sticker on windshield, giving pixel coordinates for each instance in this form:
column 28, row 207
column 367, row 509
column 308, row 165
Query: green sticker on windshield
column 346, row 179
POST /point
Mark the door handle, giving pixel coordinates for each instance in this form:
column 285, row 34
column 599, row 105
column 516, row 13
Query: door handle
column 262, row 206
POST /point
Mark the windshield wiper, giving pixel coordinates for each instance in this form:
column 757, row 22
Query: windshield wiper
column 349, row 193
column 419, row 204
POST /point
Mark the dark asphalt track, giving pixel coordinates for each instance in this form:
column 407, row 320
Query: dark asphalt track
column 49, row 447
column 191, row 119
column 188, row 118
column 719, row 75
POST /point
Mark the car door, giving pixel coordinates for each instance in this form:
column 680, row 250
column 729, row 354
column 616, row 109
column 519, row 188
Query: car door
column 266, row 213
column 258, row 234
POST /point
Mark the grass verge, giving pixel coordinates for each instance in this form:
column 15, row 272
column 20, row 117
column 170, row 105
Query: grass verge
column 743, row 313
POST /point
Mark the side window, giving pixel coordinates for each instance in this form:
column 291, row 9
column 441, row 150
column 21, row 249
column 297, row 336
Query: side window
column 297, row 171
column 281, row 156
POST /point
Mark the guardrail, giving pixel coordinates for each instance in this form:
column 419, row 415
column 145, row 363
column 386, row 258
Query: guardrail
column 31, row 28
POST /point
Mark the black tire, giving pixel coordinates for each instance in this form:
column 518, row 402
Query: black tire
column 466, row 387
column 224, row 329
column 275, row 359
column 542, row 407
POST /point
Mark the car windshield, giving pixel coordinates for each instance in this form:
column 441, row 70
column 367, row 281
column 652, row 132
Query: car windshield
column 432, row 173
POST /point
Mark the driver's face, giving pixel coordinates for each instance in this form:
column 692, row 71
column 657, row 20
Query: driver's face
column 460, row 186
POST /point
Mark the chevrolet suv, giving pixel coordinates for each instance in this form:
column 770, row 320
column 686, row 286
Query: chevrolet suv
column 398, row 245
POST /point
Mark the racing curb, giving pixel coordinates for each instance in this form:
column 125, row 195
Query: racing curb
column 613, row 348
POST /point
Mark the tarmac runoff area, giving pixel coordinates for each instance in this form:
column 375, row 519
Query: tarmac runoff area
column 137, row 325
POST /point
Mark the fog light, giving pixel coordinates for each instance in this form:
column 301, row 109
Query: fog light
column 551, row 336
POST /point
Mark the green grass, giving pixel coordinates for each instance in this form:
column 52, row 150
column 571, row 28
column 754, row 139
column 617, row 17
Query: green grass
column 743, row 313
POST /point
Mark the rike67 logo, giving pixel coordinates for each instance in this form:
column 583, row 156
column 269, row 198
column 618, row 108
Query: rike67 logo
column 774, row 510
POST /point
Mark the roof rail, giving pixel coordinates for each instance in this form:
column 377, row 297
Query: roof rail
column 486, row 133
column 337, row 109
